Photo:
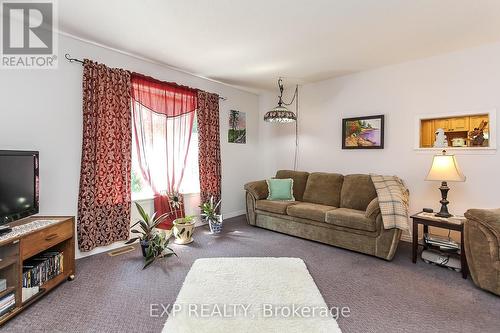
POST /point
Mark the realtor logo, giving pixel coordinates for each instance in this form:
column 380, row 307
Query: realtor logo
column 28, row 38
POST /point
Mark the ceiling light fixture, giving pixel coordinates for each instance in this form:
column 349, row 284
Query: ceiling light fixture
column 281, row 114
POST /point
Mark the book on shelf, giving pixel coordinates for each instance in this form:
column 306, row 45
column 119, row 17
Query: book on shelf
column 7, row 303
column 3, row 284
column 41, row 268
column 27, row 293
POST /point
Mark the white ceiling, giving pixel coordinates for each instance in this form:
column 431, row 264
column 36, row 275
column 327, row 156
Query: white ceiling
column 249, row 43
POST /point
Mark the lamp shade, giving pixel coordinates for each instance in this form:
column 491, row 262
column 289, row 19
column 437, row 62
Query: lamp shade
column 280, row 114
column 445, row 168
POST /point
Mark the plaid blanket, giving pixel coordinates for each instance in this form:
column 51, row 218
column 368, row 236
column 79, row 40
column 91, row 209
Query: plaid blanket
column 393, row 199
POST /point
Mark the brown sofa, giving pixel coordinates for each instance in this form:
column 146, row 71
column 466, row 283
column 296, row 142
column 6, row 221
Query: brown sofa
column 330, row 208
column 482, row 247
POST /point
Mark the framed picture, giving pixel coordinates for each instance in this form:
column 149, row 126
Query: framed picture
column 237, row 132
column 363, row 132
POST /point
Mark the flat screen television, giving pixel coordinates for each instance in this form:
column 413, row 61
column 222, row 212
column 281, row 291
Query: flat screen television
column 18, row 185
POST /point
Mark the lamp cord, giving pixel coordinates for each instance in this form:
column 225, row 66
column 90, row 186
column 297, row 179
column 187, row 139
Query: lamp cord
column 296, row 157
column 295, row 99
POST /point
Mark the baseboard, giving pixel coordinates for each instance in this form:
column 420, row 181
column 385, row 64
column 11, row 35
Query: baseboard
column 101, row 249
column 117, row 245
column 233, row 214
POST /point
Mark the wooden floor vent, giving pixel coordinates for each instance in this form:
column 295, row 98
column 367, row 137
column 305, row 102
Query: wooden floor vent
column 121, row 250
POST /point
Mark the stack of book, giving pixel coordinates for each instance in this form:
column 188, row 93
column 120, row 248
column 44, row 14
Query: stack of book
column 7, row 303
column 41, row 268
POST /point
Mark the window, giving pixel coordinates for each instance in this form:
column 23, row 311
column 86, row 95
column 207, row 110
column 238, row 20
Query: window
column 190, row 181
column 457, row 131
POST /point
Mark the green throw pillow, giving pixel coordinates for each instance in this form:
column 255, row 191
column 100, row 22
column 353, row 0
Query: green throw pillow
column 280, row 189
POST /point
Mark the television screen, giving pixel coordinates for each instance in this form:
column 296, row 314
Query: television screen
column 18, row 185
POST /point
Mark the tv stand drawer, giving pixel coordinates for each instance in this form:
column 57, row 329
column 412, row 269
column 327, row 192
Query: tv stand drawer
column 46, row 238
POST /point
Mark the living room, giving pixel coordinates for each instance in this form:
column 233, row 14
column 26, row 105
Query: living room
column 318, row 167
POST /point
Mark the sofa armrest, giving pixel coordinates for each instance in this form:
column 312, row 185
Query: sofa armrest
column 485, row 222
column 257, row 189
column 373, row 209
column 489, row 218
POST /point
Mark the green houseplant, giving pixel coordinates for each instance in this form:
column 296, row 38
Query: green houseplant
column 209, row 214
column 154, row 243
column 158, row 248
column 183, row 229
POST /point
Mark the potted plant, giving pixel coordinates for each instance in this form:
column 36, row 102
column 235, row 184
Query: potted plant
column 158, row 248
column 154, row 243
column 209, row 214
column 183, row 230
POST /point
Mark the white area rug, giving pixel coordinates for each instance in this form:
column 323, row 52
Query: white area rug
column 250, row 295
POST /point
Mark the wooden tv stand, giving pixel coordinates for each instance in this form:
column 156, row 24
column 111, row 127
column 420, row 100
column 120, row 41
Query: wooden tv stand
column 57, row 236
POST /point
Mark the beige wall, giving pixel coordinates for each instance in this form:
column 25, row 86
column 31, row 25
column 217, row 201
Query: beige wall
column 466, row 82
column 42, row 110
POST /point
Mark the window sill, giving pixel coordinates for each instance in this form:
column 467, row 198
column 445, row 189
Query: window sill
column 140, row 198
column 458, row 150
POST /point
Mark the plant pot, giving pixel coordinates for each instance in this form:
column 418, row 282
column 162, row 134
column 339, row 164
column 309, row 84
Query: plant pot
column 215, row 225
column 144, row 247
column 183, row 231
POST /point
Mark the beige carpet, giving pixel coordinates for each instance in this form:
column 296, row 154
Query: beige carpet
column 250, row 295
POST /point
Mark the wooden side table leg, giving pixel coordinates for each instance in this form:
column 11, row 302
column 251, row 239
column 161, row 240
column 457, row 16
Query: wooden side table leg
column 463, row 258
column 426, row 231
column 415, row 242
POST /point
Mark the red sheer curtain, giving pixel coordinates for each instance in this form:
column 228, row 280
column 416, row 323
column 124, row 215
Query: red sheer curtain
column 163, row 115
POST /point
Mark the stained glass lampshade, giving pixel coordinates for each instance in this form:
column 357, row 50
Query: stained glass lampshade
column 280, row 114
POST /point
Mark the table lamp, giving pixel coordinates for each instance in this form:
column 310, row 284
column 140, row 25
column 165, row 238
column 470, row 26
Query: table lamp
column 445, row 169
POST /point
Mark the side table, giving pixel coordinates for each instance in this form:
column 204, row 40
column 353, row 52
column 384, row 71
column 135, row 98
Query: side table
column 427, row 220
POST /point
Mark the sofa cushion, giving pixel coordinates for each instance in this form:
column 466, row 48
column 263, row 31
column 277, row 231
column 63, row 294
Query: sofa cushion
column 278, row 207
column 324, row 188
column 350, row 218
column 299, row 181
column 357, row 192
column 310, row 211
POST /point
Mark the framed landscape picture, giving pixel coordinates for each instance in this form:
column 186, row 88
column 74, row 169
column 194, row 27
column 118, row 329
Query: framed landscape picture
column 237, row 127
column 363, row 132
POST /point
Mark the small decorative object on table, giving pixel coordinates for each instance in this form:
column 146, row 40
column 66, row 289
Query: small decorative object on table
column 183, row 230
column 209, row 214
column 154, row 243
column 438, row 249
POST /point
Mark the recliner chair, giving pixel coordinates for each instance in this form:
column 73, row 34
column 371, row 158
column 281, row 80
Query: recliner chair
column 482, row 247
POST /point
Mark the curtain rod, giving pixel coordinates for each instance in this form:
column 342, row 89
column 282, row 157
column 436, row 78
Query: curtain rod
column 68, row 57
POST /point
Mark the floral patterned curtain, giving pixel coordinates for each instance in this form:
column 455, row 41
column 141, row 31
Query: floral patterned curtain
column 104, row 198
column 209, row 146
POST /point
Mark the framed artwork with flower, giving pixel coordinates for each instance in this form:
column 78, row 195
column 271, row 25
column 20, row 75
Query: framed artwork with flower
column 363, row 132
